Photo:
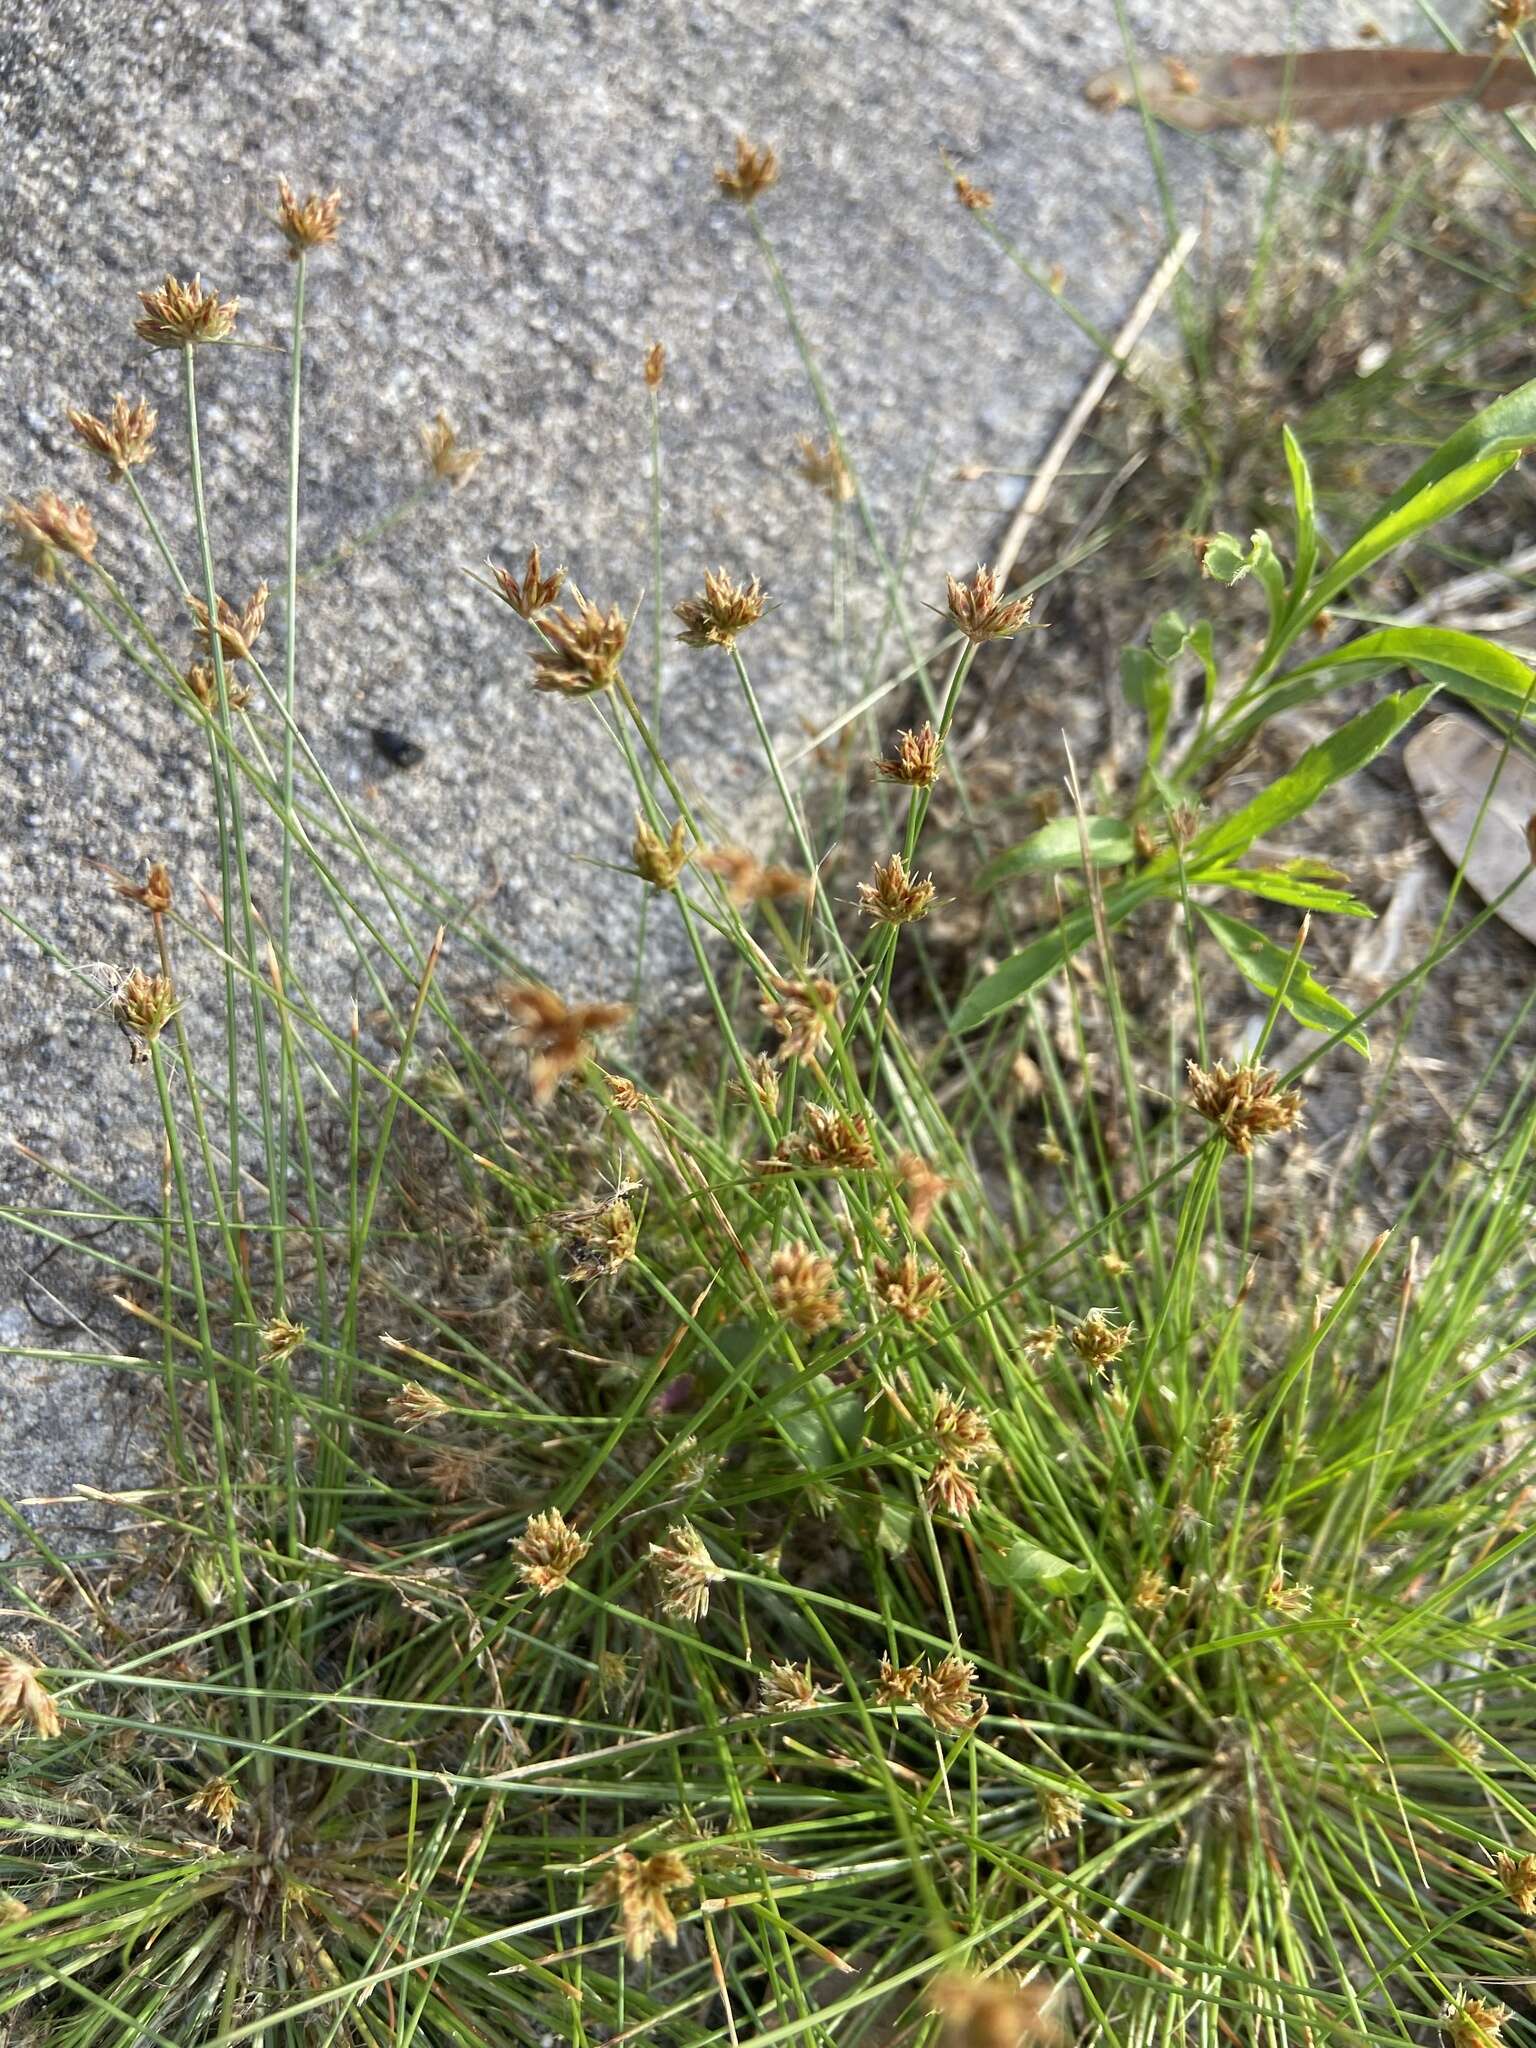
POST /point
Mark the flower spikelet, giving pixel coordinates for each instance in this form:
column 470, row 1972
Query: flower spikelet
column 639, row 1890
column 983, row 612
column 182, row 315
column 896, row 896
column 991, row 2012
column 1517, row 1874
column 309, row 222
column 787, row 1689
column 686, row 1571
column 124, row 440
column 915, row 759
column 1474, row 2022
column 558, row 1035
column 217, row 1802
column 449, row 463
column 802, row 1286
column 548, row 1551
column 947, row 1694
column 1097, row 1341
column 748, row 881
column 1246, row 1104
column 238, row 630
column 584, row 648
column 908, row 1287
column 529, row 593
column 655, row 366
column 725, row 609
column 659, row 861
column 825, row 470
column 23, row 1697
column 800, row 1012
column 50, row 527
column 752, row 173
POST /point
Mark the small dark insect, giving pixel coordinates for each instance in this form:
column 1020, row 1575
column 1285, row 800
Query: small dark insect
column 399, row 751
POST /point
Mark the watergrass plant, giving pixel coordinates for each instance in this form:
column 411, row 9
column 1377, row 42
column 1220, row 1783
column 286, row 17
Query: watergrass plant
column 730, row 1551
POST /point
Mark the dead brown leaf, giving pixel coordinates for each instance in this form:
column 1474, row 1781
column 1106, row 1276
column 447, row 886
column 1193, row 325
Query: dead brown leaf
column 1331, row 88
column 1451, row 764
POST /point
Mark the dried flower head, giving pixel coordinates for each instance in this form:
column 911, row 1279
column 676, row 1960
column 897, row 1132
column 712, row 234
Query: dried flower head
column 122, row 442
column 203, row 684
column 970, row 196
column 583, row 653
column 182, row 315
column 748, row 881
column 558, row 1035
column 754, row 171
column 908, row 1287
column 951, row 1490
column 983, row 612
column 1150, row 1592
column 24, row 1698
column 1474, row 2022
column 896, row 896
column 238, row 630
column 990, row 2012
column 1288, row 1596
column 1517, row 1874
column 825, row 470
column 726, row 609
column 281, row 1338
column 309, row 222
column 915, row 760
column 1060, row 1813
column 455, row 1472
column 529, row 593
column 1508, row 17
column 963, row 1431
column 412, row 1405
column 218, row 1802
column 449, row 463
column 761, row 1083
column 947, row 1694
column 801, row 1013
column 548, row 1551
column 142, row 1005
column 1245, row 1103
column 787, row 1689
column 923, row 1188
column 1218, row 1445
column 1041, row 1344
column 897, row 1683
column 1097, row 1341
column 659, row 861
column 802, row 1286
column 153, row 893
column 655, row 366
column 639, row 1890
column 600, row 1236
column 832, row 1140
column 50, row 527
column 686, row 1571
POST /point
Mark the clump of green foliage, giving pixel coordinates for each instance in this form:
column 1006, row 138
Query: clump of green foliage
column 739, row 1553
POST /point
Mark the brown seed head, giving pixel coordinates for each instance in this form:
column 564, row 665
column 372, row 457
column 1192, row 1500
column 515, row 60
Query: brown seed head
column 548, row 1551
column 1218, row 1446
column 908, row 1287
column 897, row 1683
column 154, row 892
column 412, row 1405
column 748, row 881
column 1150, row 1592
column 182, row 315
column 923, row 1188
column 203, row 684
column 686, row 1572
column 583, row 653
column 655, row 366
column 991, row 2012
column 123, row 441
column 281, row 1338
column 726, row 609
column 825, row 470
column 802, row 1287
column 1508, row 17
column 218, row 1802
column 1246, row 1104
column 761, row 1084
column 1474, row 2022
column 801, row 1012
column 915, row 760
column 23, row 1697
column 754, row 171
column 951, row 1490
column 832, row 1140
column 558, row 1036
column 896, row 896
column 1288, row 1596
column 1517, row 1874
column 449, row 463
column 787, row 1689
column 1060, row 1813
column 1097, row 1341
column 600, row 1236
column 639, row 1890
column 307, row 223
column 142, row 1005
column 947, row 1694
column 963, row 1432
column 983, row 612
column 529, row 593
column 970, row 196
column 48, row 528
column 659, row 861
column 238, row 630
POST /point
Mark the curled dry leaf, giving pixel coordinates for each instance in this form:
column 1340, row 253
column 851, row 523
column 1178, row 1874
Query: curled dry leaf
column 1330, row 88
column 1451, row 764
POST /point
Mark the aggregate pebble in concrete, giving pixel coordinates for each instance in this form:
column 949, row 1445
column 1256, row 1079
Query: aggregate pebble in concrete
column 529, row 205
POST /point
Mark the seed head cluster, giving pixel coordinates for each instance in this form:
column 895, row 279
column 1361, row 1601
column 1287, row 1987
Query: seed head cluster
column 450, row 463
column 548, row 1551
column 909, row 1287
column 583, row 651
column 825, row 470
column 557, row 1035
column 754, row 170
column 1097, row 1341
column 238, row 630
column 914, row 760
column 24, row 1700
column 122, row 441
column 50, row 527
column 659, row 861
column 896, row 896
column 686, row 1572
column 182, row 315
column 309, row 222
column 801, row 1013
column 725, row 609
column 802, row 1287
column 529, row 593
column 639, row 1889
column 1246, row 1104
column 983, row 612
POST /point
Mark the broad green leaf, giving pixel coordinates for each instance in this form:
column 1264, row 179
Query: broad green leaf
column 1099, row 1623
column 1045, row 956
column 1306, row 516
column 1402, row 518
column 1507, row 427
column 1060, row 845
column 1476, row 670
column 1260, row 961
column 824, row 1432
column 1330, row 761
column 1028, row 1568
column 1282, row 885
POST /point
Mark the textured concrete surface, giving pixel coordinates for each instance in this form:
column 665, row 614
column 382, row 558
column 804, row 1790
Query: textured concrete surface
column 529, row 205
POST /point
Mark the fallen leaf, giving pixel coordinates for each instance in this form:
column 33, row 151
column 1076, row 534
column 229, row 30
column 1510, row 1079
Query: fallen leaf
column 1333, row 88
column 1451, row 763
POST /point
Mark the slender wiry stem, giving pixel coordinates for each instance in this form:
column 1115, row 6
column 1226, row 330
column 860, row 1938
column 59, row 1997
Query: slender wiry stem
column 290, row 674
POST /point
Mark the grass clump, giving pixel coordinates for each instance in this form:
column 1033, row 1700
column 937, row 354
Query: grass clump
column 738, row 1550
